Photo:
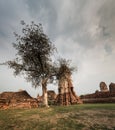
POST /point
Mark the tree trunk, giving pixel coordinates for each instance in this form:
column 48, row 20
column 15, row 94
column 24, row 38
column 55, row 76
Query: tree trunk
column 44, row 90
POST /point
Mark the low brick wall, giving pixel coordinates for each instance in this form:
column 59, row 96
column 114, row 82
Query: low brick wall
column 99, row 97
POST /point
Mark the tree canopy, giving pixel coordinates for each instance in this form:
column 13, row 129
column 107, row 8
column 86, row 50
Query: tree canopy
column 34, row 50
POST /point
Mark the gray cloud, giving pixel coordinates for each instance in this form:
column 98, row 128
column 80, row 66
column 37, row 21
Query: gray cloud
column 80, row 20
column 44, row 12
column 107, row 17
column 82, row 31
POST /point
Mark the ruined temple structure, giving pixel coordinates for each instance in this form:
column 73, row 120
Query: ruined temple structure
column 67, row 95
column 20, row 99
column 102, row 96
column 112, row 87
column 51, row 97
column 103, row 87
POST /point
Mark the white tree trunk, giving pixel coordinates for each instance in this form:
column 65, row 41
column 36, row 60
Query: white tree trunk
column 45, row 96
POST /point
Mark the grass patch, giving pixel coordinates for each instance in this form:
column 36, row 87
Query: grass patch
column 100, row 127
column 66, row 124
column 75, row 117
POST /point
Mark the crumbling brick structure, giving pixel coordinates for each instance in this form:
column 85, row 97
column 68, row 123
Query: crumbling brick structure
column 103, row 87
column 51, row 97
column 67, row 95
column 19, row 99
column 112, row 87
column 103, row 96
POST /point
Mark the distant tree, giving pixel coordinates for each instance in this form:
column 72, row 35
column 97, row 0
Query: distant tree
column 33, row 58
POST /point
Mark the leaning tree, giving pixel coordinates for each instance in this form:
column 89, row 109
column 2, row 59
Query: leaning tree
column 33, row 58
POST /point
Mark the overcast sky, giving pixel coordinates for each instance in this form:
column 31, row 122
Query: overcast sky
column 82, row 30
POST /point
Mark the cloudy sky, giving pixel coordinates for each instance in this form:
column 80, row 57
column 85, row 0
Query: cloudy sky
column 82, row 30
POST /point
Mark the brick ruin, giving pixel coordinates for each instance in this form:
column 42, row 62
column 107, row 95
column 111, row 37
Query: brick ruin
column 19, row 99
column 112, row 87
column 103, row 87
column 66, row 94
column 105, row 95
column 51, row 97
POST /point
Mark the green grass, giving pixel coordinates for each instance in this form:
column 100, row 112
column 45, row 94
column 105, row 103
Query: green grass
column 75, row 117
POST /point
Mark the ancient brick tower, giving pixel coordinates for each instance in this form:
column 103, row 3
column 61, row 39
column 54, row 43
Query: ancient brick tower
column 67, row 95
